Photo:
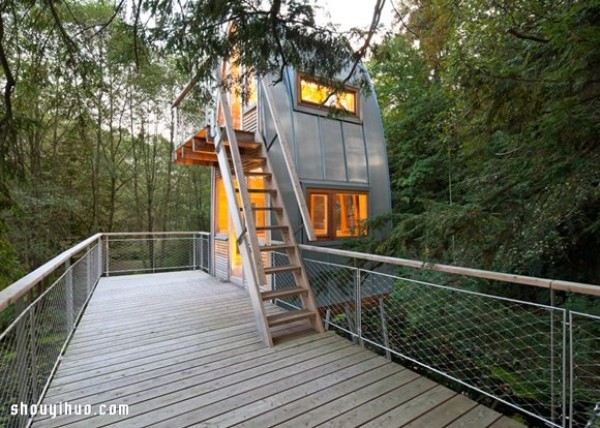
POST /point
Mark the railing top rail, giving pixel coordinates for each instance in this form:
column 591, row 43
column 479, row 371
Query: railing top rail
column 19, row 288
column 109, row 234
column 551, row 284
column 185, row 91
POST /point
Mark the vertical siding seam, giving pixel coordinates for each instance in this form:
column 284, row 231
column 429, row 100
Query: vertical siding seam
column 292, row 111
column 344, row 151
column 322, row 145
column 364, row 139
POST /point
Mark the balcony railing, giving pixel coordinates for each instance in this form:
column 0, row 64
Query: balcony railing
column 38, row 313
column 538, row 355
column 464, row 327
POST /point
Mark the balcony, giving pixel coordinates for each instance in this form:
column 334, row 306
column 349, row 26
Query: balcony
column 137, row 321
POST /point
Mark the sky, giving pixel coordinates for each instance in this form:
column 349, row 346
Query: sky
column 355, row 13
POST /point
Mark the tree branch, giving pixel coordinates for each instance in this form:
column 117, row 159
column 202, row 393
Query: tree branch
column 359, row 54
column 520, row 35
column 8, row 75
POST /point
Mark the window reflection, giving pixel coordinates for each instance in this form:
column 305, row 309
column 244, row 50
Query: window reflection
column 316, row 94
column 337, row 214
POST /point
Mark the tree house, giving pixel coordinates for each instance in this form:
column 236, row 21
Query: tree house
column 296, row 161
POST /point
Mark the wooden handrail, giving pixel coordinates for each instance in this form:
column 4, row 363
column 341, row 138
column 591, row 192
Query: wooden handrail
column 186, row 90
column 550, row 284
column 16, row 290
column 113, row 234
column 13, row 292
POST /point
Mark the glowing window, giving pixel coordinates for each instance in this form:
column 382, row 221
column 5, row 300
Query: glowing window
column 222, row 215
column 337, row 214
column 314, row 94
column 350, row 212
column 318, row 213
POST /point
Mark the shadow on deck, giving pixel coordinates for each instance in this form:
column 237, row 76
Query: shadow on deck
column 181, row 349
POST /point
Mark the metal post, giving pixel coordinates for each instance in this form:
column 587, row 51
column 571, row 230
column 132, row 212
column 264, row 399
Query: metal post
column 202, row 252
column 384, row 330
column 552, row 360
column 22, row 378
column 69, row 295
column 88, row 268
column 99, row 257
column 152, row 244
column 564, row 369
column 107, row 257
column 358, row 310
column 327, row 318
column 194, row 263
column 351, row 321
column 33, row 354
column 571, row 369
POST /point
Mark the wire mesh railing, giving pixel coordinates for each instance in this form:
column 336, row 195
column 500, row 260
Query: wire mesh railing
column 584, row 347
column 128, row 254
column 539, row 359
column 42, row 321
column 38, row 313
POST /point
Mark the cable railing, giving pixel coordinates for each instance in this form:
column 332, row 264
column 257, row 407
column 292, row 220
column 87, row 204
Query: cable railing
column 39, row 313
column 482, row 333
column 134, row 253
column 468, row 329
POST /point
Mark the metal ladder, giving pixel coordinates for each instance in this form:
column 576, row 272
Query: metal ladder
column 232, row 166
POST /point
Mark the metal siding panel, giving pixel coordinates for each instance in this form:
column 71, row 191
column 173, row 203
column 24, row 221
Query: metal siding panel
column 310, row 159
column 250, row 120
column 356, row 159
column 379, row 177
column 221, row 260
column 332, row 145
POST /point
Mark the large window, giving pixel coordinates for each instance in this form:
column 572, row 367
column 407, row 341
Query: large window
column 337, row 214
column 314, row 94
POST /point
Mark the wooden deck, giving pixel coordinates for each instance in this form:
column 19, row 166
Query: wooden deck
column 180, row 349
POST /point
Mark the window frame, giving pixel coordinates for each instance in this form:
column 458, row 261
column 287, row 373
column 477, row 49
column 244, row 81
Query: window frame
column 330, row 209
column 323, row 109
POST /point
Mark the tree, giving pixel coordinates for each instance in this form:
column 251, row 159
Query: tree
column 493, row 137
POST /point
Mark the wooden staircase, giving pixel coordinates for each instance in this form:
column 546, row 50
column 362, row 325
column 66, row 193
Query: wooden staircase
column 239, row 156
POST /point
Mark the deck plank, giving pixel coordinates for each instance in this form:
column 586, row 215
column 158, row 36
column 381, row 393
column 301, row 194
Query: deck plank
column 477, row 417
column 361, row 408
column 182, row 349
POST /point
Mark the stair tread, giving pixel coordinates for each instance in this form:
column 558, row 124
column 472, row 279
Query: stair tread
column 280, row 269
column 272, row 227
column 257, row 174
column 274, row 209
column 258, row 190
column 274, row 294
column 289, row 316
column 267, row 209
column 277, row 247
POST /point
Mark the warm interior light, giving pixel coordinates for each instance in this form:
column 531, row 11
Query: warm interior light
column 222, row 216
column 318, row 213
column 337, row 214
column 314, row 93
column 350, row 212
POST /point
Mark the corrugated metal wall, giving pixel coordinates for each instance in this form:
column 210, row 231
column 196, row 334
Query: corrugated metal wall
column 332, row 153
column 222, row 259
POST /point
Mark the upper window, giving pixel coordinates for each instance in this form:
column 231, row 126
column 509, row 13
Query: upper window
column 311, row 93
column 337, row 214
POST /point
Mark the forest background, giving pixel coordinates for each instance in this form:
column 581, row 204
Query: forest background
column 491, row 111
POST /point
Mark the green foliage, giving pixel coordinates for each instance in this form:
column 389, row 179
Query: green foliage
column 264, row 37
column 491, row 119
column 10, row 268
column 86, row 147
